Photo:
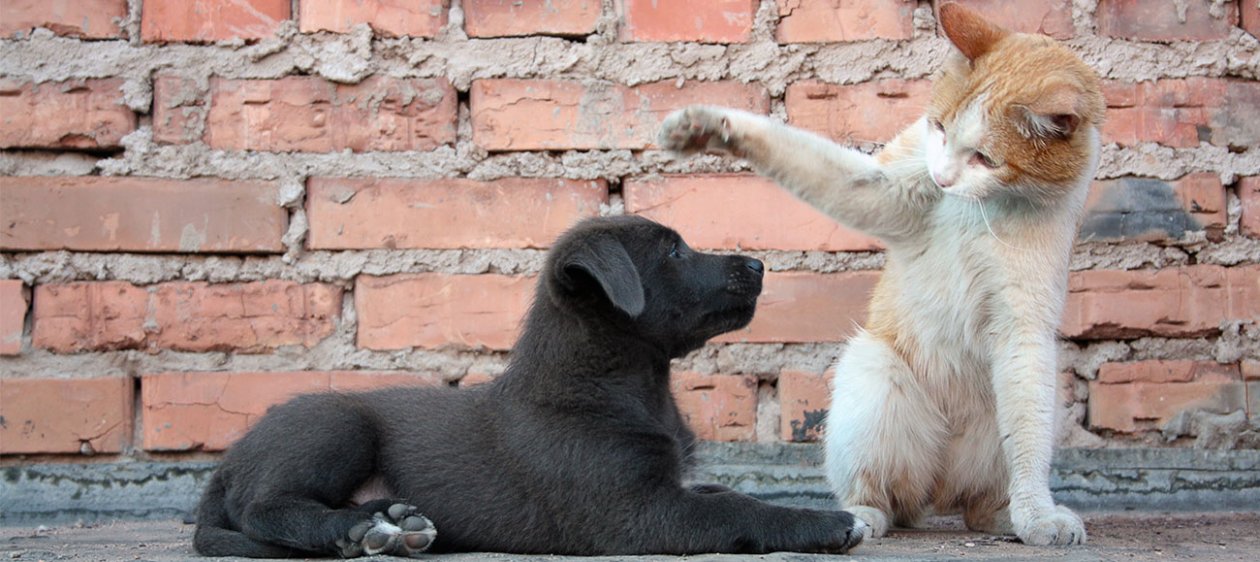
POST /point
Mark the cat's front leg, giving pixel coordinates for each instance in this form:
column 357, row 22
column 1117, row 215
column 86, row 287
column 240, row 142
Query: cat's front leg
column 850, row 186
column 1024, row 387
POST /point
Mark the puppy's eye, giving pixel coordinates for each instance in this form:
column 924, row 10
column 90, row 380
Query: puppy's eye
column 673, row 252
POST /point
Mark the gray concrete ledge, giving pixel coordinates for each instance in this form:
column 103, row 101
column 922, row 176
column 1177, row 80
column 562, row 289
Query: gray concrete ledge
column 1086, row 479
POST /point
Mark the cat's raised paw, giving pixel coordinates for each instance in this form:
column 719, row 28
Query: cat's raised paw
column 696, row 129
column 1060, row 527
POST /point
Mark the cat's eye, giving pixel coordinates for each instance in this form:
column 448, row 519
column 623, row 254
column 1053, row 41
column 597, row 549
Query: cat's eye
column 983, row 160
column 938, row 126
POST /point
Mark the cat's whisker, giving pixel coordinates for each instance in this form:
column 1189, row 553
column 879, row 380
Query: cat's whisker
column 985, row 217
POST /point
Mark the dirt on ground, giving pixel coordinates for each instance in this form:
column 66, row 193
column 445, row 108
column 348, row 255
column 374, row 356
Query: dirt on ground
column 1112, row 536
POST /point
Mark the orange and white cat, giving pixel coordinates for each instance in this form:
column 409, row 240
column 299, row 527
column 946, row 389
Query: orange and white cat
column 945, row 401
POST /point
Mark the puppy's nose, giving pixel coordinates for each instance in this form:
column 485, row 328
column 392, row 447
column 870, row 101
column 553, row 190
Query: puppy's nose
column 755, row 265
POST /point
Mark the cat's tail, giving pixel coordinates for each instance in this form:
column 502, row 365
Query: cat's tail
column 216, row 537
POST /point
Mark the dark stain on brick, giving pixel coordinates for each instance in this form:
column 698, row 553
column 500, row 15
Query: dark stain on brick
column 809, row 428
column 1137, row 208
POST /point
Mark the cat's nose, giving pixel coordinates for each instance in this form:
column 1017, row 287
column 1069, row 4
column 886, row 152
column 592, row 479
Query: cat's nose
column 943, row 182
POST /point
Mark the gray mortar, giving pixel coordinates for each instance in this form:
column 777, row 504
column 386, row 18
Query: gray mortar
column 1117, row 479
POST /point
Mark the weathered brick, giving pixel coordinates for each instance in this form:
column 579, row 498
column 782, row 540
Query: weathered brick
column 512, row 18
column 1175, row 302
column 1164, row 371
column 448, row 213
column 1133, row 208
column 1183, row 112
column 70, row 114
column 1166, row 20
column 686, row 203
column 1047, row 17
column 705, row 21
column 808, row 307
column 558, row 114
column 1249, row 195
column 1145, row 395
column 95, row 213
column 184, row 316
column 474, row 378
column 65, row 415
column 1251, row 370
column 13, row 305
column 432, row 310
column 89, row 19
column 179, row 110
column 206, row 21
column 394, row 18
column 1249, row 16
column 209, row 411
column 717, row 407
column 829, row 21
column 871, row 112
column 310, row 114
column 804, row 398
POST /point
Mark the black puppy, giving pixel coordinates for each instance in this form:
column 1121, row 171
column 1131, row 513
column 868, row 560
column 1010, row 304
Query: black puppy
column 578, row 448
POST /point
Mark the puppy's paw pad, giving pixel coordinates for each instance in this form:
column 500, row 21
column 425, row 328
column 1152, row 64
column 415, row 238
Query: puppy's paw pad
column 1060, row 527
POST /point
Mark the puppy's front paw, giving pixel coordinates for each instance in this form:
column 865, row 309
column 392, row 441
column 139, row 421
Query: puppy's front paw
column 400, row 531
column 1057, row 527
column 697, row 129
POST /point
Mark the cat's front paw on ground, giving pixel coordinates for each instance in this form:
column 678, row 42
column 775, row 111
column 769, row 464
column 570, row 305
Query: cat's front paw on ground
column 696, row 129
column 1058, row 527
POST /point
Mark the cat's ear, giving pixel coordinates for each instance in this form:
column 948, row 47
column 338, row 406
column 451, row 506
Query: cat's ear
column 967, row 30
column 1056, row 113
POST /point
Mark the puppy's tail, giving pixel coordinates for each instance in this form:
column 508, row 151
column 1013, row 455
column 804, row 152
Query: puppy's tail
column 216, row 537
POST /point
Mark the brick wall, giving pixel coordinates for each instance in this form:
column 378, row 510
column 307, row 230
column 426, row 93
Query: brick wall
column 204, row 214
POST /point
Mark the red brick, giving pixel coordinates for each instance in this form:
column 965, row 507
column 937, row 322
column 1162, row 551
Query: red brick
column 1046, row 17
column 449, row 213
column 65, row 415
column 803, row 399
column 394, row 18
column 95, row 213
column 179, row 110
column 1183, row 112
column 1166, row 20
column 558, row 114
column 869, row 112
column 1251, row 370
column 706, row 21
column 1149, row 209
column 1249, row 16
column 1175, row 302
column 1164, row 371
column 808, row 307
column 513, row 18
column 828, row 21
column 717, row 407
column 686, row 204
column 309, row 114
column 89, row 19
column 1145, row 395
column 183, row 316
column 13, row 305
column 432, row 310
column 1176, row 113
column 210, row 411
column 1249, row 195
column 70, row 114
column 206, row 21
column 474, row 378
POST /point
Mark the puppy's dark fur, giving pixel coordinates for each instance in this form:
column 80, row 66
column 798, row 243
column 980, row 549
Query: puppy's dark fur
column 578, row 448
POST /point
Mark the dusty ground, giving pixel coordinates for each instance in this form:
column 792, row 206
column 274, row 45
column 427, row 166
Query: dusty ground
column 1128, row 536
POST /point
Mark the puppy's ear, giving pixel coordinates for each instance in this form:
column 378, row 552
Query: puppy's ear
column 605, row 260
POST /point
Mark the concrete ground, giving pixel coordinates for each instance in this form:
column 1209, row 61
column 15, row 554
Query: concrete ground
column 1135, row 536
